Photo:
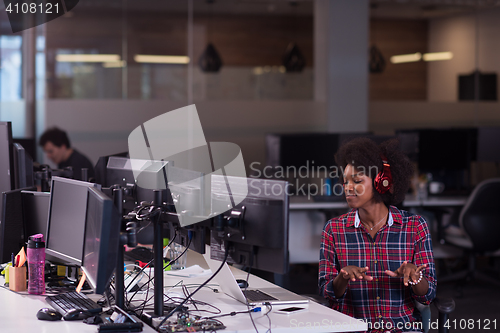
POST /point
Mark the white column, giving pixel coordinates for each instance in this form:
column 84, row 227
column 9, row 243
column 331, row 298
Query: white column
column 341, row 29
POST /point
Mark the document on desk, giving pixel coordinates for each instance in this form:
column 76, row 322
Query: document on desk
column 190, row 272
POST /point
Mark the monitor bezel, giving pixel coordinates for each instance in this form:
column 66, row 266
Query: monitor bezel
column 67, row 259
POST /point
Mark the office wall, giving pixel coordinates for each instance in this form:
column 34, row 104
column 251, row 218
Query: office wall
column 442, row 108
column 472, row 48
column 101, row 127
column 406, row 81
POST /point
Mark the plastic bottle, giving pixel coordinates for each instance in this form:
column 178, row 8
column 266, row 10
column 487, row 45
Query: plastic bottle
column 36, row 264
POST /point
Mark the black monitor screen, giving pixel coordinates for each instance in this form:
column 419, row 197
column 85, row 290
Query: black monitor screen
column 102, row 233
column 23, row 167
column 488, row 149
column 309, row 150
column 260, row 238
column 408, row 143
column 66, row 223
column 6, row 161
column 36, row 212
column 446, row 149
column 12, row 235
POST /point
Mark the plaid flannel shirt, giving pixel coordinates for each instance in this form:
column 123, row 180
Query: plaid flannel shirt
column 384, row 302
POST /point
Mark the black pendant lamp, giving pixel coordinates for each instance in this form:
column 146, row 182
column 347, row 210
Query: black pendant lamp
column 210, row 60
column 377, row 61
column 293, row 59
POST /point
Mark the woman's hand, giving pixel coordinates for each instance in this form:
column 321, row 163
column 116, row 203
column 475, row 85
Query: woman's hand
column 354, row 273
column 407, row 270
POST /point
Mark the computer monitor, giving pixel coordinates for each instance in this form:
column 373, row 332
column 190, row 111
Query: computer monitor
column 446, row 149
column 23, row 167
column 12, row 233
column 101, row 166
column 35, row 212
column 256, row 230
column 310, row 150
column 101, row 241
column 488, row 149
column 297, row 150
column 408, row 143
column 66, row 221
column 119, row 171
column 6, row 160
column 29, row 145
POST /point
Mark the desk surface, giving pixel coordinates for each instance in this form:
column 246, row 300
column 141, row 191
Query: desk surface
column 18, row 312
column 303, row 203
column 318, row 318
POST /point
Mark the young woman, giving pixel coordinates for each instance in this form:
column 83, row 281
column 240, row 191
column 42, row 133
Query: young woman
column 376, row 260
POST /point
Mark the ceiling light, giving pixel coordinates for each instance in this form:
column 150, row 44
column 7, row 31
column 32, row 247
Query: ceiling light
column 398, row 59
column 161, row 59
column 437, row 56
column 114, row 64
column 87, row 57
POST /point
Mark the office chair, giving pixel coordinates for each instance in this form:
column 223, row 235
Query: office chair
column 445, row 306
column 479, row 227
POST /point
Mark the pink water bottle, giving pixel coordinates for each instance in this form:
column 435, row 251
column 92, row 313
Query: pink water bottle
column 36, row 264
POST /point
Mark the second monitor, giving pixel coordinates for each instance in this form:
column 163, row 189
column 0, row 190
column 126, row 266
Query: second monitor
column 255, row 231
column 66, row 221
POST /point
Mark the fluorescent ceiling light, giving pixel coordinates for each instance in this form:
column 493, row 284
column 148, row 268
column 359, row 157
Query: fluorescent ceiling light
column 87, row 57
column 437, row 56
column 161, row 59
column 114, row 64
column 398, row 59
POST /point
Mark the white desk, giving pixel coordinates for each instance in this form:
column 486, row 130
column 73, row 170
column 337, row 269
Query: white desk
column 302, row 203
column 18, row 315
column 317, row 319
column 307, row 219
column 18, row 312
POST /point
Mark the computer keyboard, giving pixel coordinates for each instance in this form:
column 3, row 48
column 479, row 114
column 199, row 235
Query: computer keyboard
column 254, row 295
column 73, row 300
column 143, row 254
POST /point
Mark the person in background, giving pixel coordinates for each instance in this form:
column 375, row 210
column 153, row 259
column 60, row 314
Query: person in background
column 376, row 261
column 56, row 145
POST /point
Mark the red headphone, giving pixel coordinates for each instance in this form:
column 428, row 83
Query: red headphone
column 383, row 181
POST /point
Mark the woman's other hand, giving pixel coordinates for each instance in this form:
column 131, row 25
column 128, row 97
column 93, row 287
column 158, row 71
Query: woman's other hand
column 354, row 273
column 406, row 271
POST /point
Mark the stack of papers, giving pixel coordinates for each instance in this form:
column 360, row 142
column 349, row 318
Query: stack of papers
column 191, row 272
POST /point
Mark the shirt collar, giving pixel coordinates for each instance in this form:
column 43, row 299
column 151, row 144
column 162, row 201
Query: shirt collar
column 357, row 221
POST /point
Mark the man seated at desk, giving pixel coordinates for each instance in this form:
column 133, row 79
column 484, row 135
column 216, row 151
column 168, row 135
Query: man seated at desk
column 55, row 144
column 377, row 260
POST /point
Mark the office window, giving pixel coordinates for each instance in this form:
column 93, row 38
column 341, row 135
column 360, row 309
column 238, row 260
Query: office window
column 10, row 70
column 250, row 38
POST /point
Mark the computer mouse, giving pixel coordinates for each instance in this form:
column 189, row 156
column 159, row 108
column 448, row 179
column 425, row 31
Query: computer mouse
column 242, row 283
column 77, row 314
column 48, row 314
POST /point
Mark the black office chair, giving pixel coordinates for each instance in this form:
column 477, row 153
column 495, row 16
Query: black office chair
column 478, row 231
column 445, row 306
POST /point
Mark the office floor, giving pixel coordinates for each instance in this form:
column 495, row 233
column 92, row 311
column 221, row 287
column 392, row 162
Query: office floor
column 476, row 302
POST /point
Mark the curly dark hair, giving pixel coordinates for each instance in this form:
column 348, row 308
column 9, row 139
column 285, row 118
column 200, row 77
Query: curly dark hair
column 364, row 153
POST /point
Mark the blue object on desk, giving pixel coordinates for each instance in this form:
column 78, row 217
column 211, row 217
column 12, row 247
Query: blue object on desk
column 328, row 186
